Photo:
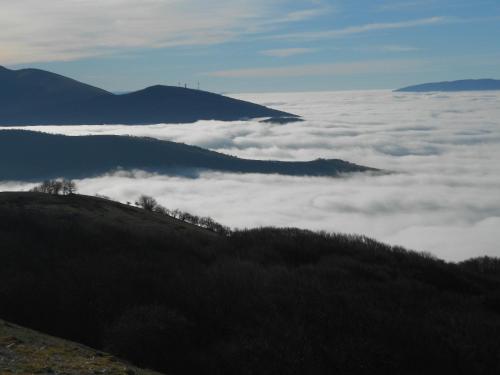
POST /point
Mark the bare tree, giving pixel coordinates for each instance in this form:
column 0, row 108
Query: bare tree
column 147, row 202
column 53, row 187
column 175, row 213
column 161, row 210
column 42, row 188
column 68, row 187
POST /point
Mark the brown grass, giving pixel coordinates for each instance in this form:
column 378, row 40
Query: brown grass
column 23, row 351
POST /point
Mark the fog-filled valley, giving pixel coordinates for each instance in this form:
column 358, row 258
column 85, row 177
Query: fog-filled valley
column 250, row 187
column 444, row 149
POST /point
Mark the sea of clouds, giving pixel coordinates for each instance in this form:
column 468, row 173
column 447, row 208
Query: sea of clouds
column 445, row 148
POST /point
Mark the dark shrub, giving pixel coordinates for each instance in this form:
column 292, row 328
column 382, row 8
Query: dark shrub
column 151, row 336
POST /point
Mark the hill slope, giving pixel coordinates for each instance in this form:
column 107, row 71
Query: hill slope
column 176, row 298
column 30, row 94
column 50, row 156
column 37, row 97
column 24, row 351
column 462, row 85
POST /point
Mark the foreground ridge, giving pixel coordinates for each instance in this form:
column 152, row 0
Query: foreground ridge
column 169, row 295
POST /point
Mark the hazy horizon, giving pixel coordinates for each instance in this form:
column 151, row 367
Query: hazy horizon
column 254, row 46
column 235, row 93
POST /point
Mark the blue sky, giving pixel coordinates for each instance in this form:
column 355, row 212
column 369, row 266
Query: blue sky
column 254, row 45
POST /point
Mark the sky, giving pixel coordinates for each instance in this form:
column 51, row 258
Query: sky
column 254, row 45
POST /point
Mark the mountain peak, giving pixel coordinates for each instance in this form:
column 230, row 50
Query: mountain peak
column 38, row 97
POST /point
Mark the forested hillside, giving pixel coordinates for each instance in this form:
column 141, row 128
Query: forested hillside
column 182, row 299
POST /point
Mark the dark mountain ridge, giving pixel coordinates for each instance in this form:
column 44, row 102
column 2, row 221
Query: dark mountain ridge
column 461, row 85
column 27, row 155
column 37, row 97
column 41, row 92
column 182, row 300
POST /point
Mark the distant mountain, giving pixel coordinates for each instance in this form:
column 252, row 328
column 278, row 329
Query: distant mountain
column 463, row 85
column 27, row 155
column 37, row 97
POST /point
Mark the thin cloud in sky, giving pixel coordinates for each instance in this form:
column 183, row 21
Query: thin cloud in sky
column 395, row 48
column 389, row 48
column 412, row 5
column 341, row 69
column 287, row 52
column 327, row 34
column 130, row 44
column 405, row 5
column 305, row 14
column 61, row 30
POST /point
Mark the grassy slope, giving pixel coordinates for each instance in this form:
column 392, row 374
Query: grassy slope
column 24, row 351
column 98, row 212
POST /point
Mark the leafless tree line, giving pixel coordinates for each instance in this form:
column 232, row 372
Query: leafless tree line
column 150, row 204
column 56, row 187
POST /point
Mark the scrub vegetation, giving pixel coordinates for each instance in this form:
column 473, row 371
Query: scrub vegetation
column 179, row 298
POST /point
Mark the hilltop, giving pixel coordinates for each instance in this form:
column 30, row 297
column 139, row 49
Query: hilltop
column 38, row 97
column 46, row 156
column 178, row 298
column 462, row 85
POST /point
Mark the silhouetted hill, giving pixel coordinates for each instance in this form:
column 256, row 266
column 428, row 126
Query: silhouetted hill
column 37, row 97
column 182, row 300
column 462, row 85
column 27, row 155
column 30, row 94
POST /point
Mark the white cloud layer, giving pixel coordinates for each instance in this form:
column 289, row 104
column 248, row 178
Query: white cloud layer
column 445, row 148
column 52, row 30
column 360, row 29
